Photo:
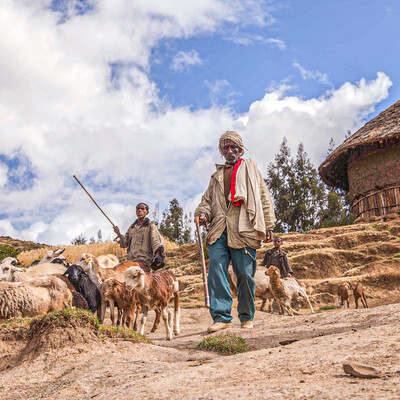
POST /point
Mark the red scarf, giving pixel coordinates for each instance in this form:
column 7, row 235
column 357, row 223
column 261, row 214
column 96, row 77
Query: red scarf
column 233, row 184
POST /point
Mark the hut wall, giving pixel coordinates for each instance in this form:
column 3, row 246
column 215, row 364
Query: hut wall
column 374, row 171
column 378, row 203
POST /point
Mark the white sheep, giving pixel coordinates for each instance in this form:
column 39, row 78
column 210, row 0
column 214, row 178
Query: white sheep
column 10, row 273
column 33, row 297
column 52, row 255
column 108, row 260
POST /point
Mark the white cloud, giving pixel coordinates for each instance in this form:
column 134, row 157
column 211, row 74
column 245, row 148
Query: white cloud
column 183, row 60
column 246, row 39
column 312, row 122
column 221, row 92
column 3, row 174
column 62, row 114
column 313, row 75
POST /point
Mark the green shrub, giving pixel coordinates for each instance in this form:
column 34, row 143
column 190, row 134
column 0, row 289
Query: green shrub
column 7, row 251
column 224, row 344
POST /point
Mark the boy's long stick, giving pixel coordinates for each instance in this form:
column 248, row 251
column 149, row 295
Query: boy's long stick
column 94, row 201
column 203, row 264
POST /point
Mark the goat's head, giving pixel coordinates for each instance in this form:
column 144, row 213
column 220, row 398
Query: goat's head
column 7, row 272
column 353, row 285
column 107, row 288
column 86, row 261
column 273, row 271
column 135, row 278
column 75, row 273
column 51, row 255
column 10, row 261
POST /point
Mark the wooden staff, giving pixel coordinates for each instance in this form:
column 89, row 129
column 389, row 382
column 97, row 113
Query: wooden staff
column 94, row 201
column 203, row 264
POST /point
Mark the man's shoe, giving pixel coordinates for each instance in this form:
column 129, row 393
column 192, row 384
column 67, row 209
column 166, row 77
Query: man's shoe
column 218, row 326
column 247, row 324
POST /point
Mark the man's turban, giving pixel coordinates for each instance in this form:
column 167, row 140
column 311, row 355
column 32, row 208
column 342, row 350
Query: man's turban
column 235, row 137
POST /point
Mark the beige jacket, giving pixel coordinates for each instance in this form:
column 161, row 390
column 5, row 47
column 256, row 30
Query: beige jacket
column 221, row 217
column 142, row 242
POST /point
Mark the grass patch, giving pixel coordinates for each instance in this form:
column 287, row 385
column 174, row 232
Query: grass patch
column 224, row 344
column 117, row 332
column 25, row 329
column 397, row 255
column 327, row 307
column 68, row 318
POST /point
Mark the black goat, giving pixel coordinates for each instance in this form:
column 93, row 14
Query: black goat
column 84, row 285
column 78, row 301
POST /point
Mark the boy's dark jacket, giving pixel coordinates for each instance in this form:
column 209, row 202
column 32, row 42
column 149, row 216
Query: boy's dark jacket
column 284, row 266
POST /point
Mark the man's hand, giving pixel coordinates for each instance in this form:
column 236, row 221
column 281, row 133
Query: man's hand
column 202, row 219
column 117, row 231
column 269, row 236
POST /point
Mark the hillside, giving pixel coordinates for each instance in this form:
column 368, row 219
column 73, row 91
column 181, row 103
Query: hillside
column 323, row 258
column 288, row 357
column 20, row 245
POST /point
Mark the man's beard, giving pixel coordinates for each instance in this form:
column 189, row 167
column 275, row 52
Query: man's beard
column 232, row 162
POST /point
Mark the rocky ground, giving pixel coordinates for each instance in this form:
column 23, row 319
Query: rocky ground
column 77, row 364
column 308, row 368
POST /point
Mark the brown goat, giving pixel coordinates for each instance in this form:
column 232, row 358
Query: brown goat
column 286, row 290
column 343, row 295
column 99, row 274
column 154, row 291
column 358, row 292
column 126, row 299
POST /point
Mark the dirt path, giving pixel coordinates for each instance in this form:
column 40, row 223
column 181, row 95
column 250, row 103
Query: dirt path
column 309, row 368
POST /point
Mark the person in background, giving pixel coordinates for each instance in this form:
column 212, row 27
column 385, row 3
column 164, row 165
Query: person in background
column 143, row 241
column 277, row 257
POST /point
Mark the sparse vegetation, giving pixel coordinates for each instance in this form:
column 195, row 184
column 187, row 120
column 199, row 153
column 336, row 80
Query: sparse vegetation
column 327, row 307
column 116, row 332
column 7, row 251
column 64, row 318
column 25, row 329
column 74, row 251
column 224, row 344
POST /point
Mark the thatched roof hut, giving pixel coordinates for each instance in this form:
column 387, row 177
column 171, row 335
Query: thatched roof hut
column 367, row 165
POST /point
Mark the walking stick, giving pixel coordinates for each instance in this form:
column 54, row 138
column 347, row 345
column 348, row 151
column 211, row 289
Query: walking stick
column 203, row 264
column 94, row 201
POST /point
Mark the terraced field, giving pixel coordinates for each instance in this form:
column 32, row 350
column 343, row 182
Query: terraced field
column 323, row 258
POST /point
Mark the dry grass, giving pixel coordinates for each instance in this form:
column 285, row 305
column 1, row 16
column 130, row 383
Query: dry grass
column 74, row 251
column 169, row 245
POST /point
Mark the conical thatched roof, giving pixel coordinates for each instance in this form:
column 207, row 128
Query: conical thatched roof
column 379, row 133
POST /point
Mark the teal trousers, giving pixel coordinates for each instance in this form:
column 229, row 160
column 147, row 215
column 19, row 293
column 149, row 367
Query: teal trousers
column 244, row 268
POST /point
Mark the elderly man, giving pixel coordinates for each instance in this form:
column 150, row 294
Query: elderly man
column 144, row 242
column 239, row 209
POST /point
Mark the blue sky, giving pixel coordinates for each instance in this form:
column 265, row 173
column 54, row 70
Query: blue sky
column 343, row 39
column 132, row 96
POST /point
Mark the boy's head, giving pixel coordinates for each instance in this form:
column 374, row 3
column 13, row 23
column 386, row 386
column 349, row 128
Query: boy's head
column 142, row 209
column 277, row 242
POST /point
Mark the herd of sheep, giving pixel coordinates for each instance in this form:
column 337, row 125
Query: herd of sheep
column 93, row 283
